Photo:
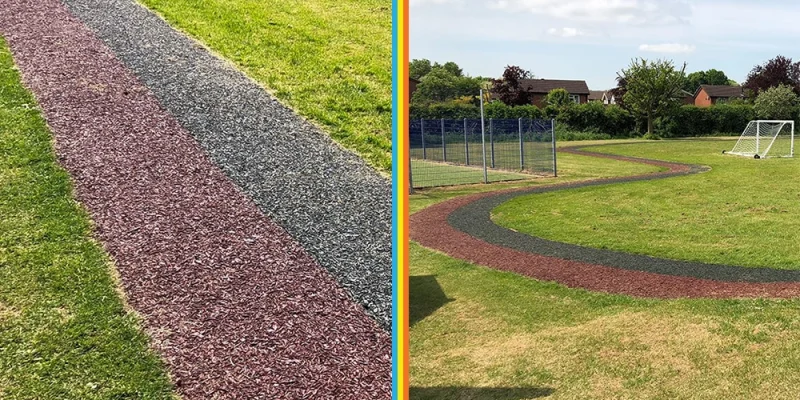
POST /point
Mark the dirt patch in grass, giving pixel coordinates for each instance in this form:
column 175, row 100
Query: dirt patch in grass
column 7, row 312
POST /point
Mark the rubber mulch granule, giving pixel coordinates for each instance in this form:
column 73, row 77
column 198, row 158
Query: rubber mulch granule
column 327, row 198
column 462, row 228
column 236, row 307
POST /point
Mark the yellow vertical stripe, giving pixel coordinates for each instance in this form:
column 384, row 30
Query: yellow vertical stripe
column 402, row 190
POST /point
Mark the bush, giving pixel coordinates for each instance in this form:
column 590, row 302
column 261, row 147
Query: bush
column 449, row 110
column 458, row 110
column 498, row 110
column 779, row 102
column 597, row 118
column 590, row 118
column 566, row 133
column 731, row 117
column 619, row 122
column 550, row 112
column 651, row 136
column 558, row 98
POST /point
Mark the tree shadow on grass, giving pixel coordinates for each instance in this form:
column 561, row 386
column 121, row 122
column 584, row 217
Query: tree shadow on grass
column 424, row 297
column 470, row 393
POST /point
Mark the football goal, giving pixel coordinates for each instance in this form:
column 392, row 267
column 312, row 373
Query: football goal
column 766, row 139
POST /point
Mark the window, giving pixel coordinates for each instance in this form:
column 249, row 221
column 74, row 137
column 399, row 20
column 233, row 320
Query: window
column 575, row 98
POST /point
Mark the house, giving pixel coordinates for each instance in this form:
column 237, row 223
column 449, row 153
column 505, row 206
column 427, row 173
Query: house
column 708, row 95
column 596, row 95
column 539, row 88
column 412, row 87
column 609, row 97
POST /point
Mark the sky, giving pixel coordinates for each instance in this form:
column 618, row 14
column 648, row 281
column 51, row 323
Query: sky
column 592, row 40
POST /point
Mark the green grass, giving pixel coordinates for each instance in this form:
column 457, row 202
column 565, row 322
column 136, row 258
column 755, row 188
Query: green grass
column 328, row 59
column 742, row 212
column 570, row 168
column 482, row 334
column 477, row 328
column 427, row 174
column 64, row 331
column 506, row 154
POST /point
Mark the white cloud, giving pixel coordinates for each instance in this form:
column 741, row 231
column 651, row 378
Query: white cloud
column 565, row 32
column 499, row 5
column 625, row 12
column 667, row 48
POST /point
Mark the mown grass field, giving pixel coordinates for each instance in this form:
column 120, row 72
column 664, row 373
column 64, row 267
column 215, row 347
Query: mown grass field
column 537, row 162
column 64, row 330
column 743, row 212
column 478, row 333
column 536, row 156
column 329, row 60
column 426, row 174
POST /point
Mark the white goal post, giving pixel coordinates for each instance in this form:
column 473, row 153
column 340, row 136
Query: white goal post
column 766, row 138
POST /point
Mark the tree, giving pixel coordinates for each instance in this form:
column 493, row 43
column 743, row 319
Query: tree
column 558, row 98
column 439, row 85
column 452, row 68
column 653, row 88
column 419, row 68
column 436, row 86
column 619, row 91
column 779, row 102
column 777, row 71
column 710, row 77
column 509, row 88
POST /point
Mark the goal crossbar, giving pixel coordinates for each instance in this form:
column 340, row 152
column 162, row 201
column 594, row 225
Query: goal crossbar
column 766, row 138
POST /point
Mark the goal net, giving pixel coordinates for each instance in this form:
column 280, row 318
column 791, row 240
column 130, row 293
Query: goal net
column 766, row 139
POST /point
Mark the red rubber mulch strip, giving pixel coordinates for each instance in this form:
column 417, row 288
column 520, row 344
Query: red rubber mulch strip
column 430, row 228
column 236, row 307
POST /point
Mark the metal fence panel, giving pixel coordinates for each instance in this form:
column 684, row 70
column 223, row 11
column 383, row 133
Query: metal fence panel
column 451, row 152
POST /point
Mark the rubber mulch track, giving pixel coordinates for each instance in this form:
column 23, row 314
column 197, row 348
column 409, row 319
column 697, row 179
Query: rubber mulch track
column 237, row 308
column 462, row 228
column 326, row 197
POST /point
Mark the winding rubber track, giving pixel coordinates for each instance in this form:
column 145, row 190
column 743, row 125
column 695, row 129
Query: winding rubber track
column 237, row 307
column 463, row 229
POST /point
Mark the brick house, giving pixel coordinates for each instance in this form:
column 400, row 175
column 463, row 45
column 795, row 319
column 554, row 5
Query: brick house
column 708, row 95
column 539, row 88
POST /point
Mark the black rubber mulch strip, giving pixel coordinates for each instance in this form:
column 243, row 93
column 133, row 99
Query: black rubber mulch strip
column 475, row 220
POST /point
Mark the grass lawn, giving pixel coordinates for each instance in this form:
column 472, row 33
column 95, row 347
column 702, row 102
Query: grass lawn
column 64, row 331
column 537, row 156
column 330, row 60
column 426, row 174
column 478, row 333
column 570, row 168
column 742, row 212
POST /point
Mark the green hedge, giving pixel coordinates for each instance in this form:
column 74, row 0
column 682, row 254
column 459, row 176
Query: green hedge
column 689, row 120
column 592, row 117
column 596, row 119
column 496, row 110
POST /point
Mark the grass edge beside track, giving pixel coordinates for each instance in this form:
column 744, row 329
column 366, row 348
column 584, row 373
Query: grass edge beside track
column 371, row 141
column 65, row 329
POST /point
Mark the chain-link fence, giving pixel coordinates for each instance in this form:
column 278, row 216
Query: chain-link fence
column 456, row 152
